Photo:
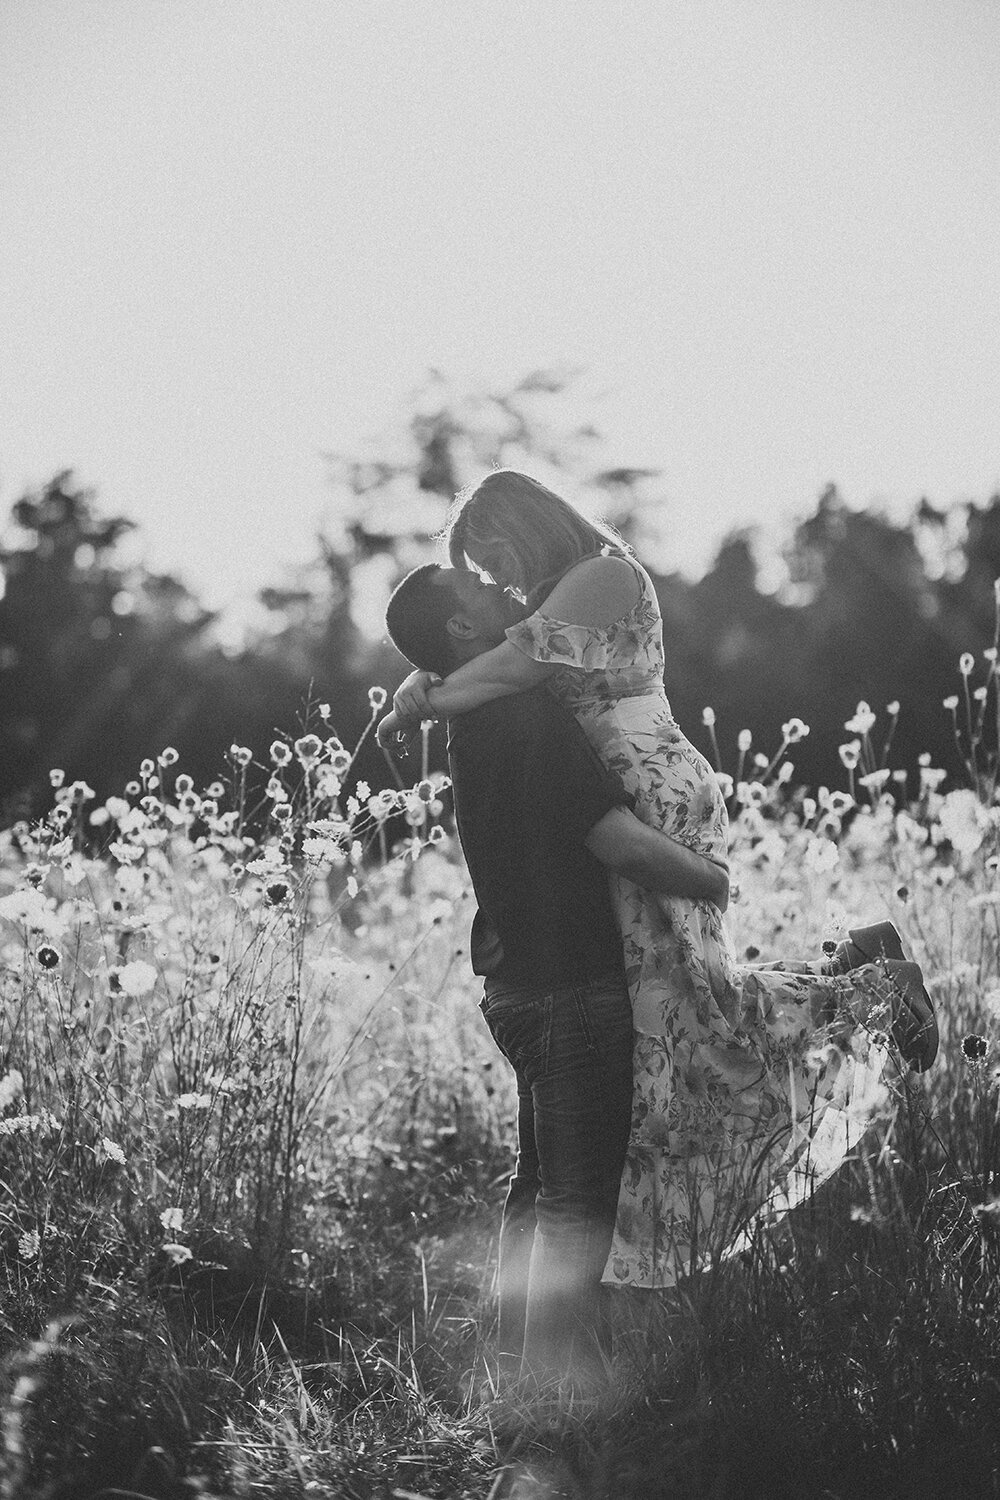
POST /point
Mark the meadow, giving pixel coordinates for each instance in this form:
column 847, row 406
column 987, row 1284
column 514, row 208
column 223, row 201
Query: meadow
column 254, row 1137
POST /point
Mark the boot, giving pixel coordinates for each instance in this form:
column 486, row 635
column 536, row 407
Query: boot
column 865, row 945
column 914, row 1025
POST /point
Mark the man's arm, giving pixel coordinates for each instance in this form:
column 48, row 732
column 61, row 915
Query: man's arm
column 649, row 858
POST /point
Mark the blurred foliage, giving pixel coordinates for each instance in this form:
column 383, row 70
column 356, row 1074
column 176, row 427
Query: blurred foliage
column 102, row 663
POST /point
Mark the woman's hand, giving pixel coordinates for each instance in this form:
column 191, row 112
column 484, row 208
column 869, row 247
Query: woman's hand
column 410, row 702
column 393, row 733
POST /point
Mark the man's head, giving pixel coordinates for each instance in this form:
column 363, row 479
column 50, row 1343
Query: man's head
column 439, row 617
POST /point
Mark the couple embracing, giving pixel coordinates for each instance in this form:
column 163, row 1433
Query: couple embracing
column 666, row 1096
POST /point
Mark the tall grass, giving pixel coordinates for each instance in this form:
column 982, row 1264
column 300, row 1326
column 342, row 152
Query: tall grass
column 253, row 1136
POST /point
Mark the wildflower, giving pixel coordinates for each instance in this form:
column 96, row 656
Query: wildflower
column 80, row 792
column 136, row 978
column 875, row 780
column 708, row 717
column 307, row 749
column 11, row 1088
column 168, row 756
column 437, row 835
column 785, row 772
column 821, row 854
column 340, row 762
column 125, row 854
column 183, row 784
column 324, row 712
column 49, row 957
column 849, row 754
column 794, row 731
column 425, row 790
column 215, row 789
column 951, row 703
column 132, row 788
column 726, row 784
column 172, row 1219
column 931, row 777
column 194, row 1101
column 744, row 740
column 963, row 820
column 893, row 708
column 25, row 1124
column 29, row 1245
column 277, row 892
column 966, row 662
column 241, row 755
column 862, row 720
column 377, row 697
column 840, row 803
column 991, row 655
column 112, row 1151
column 270, row 861
column 189, row 803
column 275, row 790
column 280, row 753
column 979, row 694
column 363, row 791
column 760, row 761
column 975, row 1048
column 321, row 851
column 179, row 1254
column 282, row 811
column 57, row 777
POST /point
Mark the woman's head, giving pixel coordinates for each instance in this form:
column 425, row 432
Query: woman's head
column 519, row 532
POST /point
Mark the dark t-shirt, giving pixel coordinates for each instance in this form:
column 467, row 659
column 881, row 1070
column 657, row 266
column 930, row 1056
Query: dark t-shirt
column 528, row 788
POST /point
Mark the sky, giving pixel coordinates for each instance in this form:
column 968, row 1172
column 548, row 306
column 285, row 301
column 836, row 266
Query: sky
column 236, row 233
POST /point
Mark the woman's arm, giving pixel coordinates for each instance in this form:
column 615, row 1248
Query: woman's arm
column 493, row 674
column 596, row 592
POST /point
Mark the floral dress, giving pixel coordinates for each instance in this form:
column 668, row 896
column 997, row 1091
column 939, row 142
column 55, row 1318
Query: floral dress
column 750, row 1085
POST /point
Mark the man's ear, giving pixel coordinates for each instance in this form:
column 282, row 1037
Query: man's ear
column 461, row 627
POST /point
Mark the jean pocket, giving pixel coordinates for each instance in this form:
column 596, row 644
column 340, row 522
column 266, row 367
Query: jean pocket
column 520, row 1029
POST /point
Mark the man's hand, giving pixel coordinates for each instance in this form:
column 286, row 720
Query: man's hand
column 717, row 877
column 410, row 701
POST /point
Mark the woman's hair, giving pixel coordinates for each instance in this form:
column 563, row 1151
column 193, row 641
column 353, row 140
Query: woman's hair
column 417, row 616
column 510, row 511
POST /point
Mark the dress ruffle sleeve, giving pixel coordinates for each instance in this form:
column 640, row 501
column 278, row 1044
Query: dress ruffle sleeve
column 545, row 639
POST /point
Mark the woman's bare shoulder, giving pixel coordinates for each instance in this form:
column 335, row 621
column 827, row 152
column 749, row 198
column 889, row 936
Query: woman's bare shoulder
column 598, row 591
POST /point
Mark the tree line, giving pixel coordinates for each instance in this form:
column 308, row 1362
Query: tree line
column 103, row 664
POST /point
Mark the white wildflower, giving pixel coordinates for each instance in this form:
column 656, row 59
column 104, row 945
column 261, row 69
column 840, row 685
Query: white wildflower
column 11, row 1088
column 112, row 1151
column 179, row 1254
column 963, row 820
column 194, row 1101
column 821, row 855
column 29, row 1245
column 862, row 721
column 172, row 1220
column 136, row 978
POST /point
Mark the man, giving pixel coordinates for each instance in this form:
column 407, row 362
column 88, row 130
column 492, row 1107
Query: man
column 541, row 822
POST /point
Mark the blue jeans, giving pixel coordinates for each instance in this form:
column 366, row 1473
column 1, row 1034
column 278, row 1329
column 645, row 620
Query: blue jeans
column 571, row 1050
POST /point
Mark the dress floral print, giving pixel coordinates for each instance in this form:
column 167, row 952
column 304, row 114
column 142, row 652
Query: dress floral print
column 750, row 1085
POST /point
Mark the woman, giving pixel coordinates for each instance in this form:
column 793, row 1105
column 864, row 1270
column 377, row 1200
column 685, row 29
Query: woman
column 749, row 1085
